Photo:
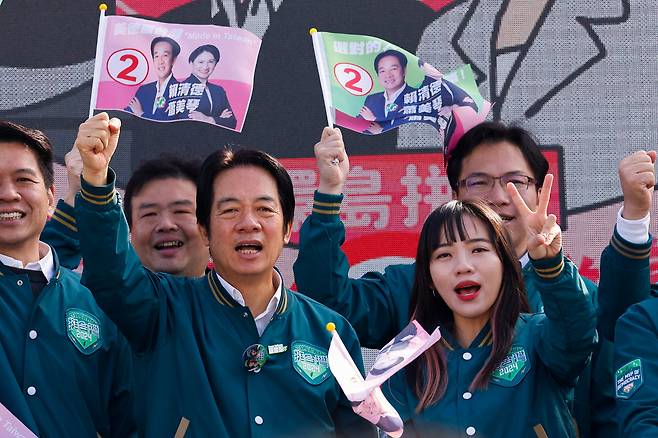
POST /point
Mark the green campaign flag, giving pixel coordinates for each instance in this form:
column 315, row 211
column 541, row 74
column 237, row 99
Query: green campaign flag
column 372, row 86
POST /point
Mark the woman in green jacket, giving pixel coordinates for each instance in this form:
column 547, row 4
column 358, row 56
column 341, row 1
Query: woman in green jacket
column 496, row 371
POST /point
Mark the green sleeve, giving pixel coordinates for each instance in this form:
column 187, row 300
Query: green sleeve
column 567, row 336
column 61, row 232
column 121, row 404
column 636, row 337
column 624, row 280
column 128, row 293
column 348, row 423
column 377, row 305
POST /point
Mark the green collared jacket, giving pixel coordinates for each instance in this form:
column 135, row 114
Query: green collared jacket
column 526, row 395
column 66, row 370
column 189, row 336
column 624, row 275
column 636, row 369
column 377, row 306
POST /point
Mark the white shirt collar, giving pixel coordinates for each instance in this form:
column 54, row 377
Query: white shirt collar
column 395, row 95
column 264, row 318
column 525, row 258
column 46, row 264
column 159, row 92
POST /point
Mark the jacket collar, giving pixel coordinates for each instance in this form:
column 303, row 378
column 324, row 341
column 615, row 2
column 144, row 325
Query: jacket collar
column 224, row 298
column 484, row 338
column 5, row 271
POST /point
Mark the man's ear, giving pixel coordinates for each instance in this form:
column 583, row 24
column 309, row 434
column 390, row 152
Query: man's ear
column 455, row 195
column 51, row 200
column 288, row 233
column 204, row 234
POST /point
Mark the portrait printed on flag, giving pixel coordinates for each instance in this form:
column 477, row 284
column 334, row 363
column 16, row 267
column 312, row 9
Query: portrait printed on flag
column 172, row 72
column 376, row 86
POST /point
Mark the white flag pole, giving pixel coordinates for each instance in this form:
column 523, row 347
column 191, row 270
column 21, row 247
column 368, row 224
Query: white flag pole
column 322, row 71
column 100, row 41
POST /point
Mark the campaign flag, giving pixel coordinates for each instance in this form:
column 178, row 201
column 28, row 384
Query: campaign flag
column 173, row 72
column 372, row 86
column 366, row 396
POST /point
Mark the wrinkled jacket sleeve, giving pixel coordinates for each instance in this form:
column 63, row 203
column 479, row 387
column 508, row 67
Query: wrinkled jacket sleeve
column 567, row 336
column 636, row 337
column 128, row 293
column 348, row 423
column 375, row 303
column 122, row 412
column 624, row 280
column 61, row 232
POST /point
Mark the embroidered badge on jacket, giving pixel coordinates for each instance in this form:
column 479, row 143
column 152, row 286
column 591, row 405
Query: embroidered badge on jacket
column 84, row 330
column 628, row 379
column 310, row 362
column 512, row 368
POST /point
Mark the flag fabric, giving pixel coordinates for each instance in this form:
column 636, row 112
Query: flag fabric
column 172, row 72
column 366, row 396
column 10, row 426
column 372, row 86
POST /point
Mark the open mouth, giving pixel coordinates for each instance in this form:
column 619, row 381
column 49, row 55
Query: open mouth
column 9, row 216
column 506, row 218
column 467, row 290
column 169, row 244
column 249, row 248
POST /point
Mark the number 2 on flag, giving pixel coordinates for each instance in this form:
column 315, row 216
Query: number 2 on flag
column 128, row 66
column 353, row 78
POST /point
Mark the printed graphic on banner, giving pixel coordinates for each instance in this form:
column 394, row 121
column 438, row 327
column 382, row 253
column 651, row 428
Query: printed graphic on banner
column 367, row 399
column 388, row 197
column 375, row 86
column 171, row 72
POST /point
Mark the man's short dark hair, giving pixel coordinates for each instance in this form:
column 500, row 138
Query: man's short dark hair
column 401, row 57
column 36, row 141
column 158, row 169
column 226, row 159
column 214, row 51
column 175, row 48
column 494, row 132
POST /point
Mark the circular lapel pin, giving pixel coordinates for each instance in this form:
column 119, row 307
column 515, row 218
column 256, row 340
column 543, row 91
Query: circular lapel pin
column 254, row 357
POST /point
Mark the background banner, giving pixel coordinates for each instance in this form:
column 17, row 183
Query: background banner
column 579, row 75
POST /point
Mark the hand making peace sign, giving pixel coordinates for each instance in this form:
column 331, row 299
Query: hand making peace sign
column 543, row 233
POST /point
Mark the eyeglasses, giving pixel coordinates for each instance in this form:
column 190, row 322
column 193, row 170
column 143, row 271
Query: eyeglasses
column 483, row 184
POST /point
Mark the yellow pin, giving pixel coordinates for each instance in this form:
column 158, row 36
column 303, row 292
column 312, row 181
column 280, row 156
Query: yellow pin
column 312, row 30
column 102, row 7
column 331, row 326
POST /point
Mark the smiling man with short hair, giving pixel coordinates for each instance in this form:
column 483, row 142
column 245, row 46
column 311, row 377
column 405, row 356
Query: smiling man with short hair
column 66, row 370
column 233, row 353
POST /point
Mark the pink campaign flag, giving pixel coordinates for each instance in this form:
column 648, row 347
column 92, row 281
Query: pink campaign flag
column 366, row 396
column 10, row 426
column 174, row 72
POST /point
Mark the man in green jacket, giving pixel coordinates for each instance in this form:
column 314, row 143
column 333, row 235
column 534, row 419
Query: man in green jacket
column 625, row 261
column 66, row 370
column 625, row 267
column 636, row 376
column 233, row 353
column 160, row 207
column 377, row 305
